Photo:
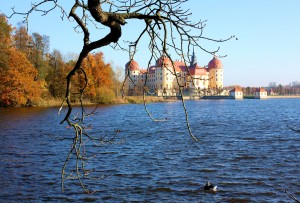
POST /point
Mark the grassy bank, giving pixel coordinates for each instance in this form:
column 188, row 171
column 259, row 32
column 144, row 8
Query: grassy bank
column 149, row 99
column 55, row 102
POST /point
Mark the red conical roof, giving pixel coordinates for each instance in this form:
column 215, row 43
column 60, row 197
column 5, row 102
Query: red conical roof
column 132, row 65
column 215, row 63
column 163, row 60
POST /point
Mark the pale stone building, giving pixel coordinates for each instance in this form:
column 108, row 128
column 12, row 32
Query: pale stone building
column 260, row 93
column 236, row 93
column 160, row 79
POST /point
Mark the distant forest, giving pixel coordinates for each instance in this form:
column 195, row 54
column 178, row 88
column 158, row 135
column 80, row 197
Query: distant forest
column 31, row 75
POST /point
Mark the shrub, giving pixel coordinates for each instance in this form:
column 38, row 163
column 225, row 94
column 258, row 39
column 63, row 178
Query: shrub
column 105, row 95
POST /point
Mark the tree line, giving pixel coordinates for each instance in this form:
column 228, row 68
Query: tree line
column 273, row 90
column 31, row 75
column 290, row 89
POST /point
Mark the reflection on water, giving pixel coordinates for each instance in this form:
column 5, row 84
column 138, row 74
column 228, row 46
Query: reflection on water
column 245, row 148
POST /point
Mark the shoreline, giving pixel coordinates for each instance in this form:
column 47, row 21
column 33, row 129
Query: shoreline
column 157, row 99
column 149, row 99
column 285, row 97
column 117, row 101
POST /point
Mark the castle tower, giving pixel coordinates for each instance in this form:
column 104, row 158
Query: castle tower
column 132, row 71
column 215, row 69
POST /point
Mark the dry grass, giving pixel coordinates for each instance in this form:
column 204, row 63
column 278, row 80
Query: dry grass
column 56, row 102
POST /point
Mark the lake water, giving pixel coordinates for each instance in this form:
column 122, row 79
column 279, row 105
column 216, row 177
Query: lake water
column 245, row 148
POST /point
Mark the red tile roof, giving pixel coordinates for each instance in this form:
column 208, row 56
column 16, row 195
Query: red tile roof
column 197, row 70
column 143, row 71
column 236, row 89
column 180, row 66
column 260, row 89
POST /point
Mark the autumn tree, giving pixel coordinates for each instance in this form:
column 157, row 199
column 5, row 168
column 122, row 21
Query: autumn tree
column 166, row 26
column 100, row 84
column 18, row 83
column 5, row 42
column 17, row 75
column 39, row 47
column 35, row 47
column 56, row 73
column 117, row 80
column 22, row 40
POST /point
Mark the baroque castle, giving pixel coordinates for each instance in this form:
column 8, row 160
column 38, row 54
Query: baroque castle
column 161, row 77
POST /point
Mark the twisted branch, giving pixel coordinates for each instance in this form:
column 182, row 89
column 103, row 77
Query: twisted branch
column 165, row 20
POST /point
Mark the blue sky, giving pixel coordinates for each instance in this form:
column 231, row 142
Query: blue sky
column 267, row 48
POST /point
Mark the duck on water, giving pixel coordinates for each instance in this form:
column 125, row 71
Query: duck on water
column 210, row 187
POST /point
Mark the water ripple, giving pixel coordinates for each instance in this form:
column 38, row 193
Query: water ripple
column 245, row 148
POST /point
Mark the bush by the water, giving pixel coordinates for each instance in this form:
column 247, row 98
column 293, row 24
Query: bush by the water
column 105, row 96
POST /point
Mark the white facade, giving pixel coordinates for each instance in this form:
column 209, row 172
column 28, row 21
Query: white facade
column 236, row 93
column 161, row 78
column 260, row 93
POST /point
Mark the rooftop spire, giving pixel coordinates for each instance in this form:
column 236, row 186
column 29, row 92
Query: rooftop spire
column 131, row 52
column 194, row 58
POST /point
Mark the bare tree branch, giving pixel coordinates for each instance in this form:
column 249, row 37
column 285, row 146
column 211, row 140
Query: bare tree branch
column 292, row 196
column 167, row 26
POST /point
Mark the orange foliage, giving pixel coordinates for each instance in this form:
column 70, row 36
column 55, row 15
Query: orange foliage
column 5, row 32
column 21, row 69
column 17, row 82
column 99, row 73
